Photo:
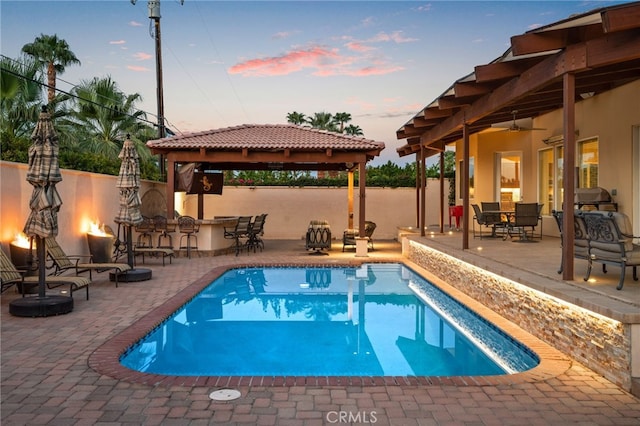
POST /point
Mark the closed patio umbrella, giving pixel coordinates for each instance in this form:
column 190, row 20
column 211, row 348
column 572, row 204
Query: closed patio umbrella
column 129, row 184
column 43, row 173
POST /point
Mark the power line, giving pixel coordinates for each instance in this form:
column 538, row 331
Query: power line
column 154, row 124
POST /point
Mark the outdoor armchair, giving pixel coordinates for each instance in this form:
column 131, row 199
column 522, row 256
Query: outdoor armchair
column 349, row 235
column 611, row 242
column 580, row 240
column 318, row 236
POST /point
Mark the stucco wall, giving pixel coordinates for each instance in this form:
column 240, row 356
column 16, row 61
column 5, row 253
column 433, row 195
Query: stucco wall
column 291, row 209
column 91, row 197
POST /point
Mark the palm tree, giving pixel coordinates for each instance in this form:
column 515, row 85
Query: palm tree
column 296, row 118
column 103, row 115
column 52, row 54
column 20, row 99
column 322, row 121
column 342, row 118
column 353, row 130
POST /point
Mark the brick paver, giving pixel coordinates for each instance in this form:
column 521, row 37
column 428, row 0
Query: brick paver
column 46, row 377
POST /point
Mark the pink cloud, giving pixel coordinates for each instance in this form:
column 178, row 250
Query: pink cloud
column 321, row 61
column 141, row 56
column 375, row 70
column 137, row 68
column 288, row 63
column 358, row 47
column 117, row 42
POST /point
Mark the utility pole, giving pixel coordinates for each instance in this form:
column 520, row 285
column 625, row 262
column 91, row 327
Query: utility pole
column 154, row 15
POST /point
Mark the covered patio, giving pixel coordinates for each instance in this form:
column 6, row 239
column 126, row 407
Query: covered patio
column 270, row 147
column 554, row 69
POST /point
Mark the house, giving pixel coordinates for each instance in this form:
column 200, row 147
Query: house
column 565, row 93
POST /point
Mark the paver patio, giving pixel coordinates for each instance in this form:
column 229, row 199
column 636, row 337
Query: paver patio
column 46, row 378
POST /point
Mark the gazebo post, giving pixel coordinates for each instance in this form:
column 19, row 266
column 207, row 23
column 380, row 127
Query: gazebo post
column 361, row 240
column 170, row 188
column 350, row 198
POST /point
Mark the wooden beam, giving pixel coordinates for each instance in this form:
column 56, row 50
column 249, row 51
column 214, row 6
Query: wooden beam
column 467, row 89
column 502, row 70
column 613, row 48
column 568, row 178
column 536, row 42
column 626, row 17
column 432, row 113
column 269, row 157
column 532, row 79
column 423, row 122
column 451, row 102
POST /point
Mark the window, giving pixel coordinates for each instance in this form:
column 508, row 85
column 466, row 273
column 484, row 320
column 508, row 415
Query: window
column 509, row 180
column 550, row 187
column 588, row 159
column 550, row 169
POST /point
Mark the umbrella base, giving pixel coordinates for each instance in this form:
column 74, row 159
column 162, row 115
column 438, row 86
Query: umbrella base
column 132, row 275
column 41, row 306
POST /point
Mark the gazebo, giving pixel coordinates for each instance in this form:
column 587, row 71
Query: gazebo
column 269, row 147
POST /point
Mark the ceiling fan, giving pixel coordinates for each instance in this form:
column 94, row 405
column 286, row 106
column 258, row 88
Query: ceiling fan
column 521, row 125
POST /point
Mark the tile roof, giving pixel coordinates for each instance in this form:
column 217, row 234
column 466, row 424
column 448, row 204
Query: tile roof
column 258, row 137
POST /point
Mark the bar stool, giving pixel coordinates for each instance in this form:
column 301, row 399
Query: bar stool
column 165, row 229
column 189, row 228
column 144, row 230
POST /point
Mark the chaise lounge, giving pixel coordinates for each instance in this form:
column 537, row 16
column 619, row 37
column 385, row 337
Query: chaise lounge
column 61, row 262
column 10, row 275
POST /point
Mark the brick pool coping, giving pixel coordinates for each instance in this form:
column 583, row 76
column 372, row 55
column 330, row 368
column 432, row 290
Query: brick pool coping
column 106, row 358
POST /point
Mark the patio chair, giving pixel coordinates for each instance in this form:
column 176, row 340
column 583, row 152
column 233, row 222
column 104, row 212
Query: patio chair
column 493, row 219
column 10, row 275
column 611, row 242
column 523, row 223
column 256, row 230
column 580, row 241
column 318, row 236
column 239, row 232
column 486, row 220
column 144, row 230
column 161, row 225
column 349, row 235
column 61, row 262
column 189, row 228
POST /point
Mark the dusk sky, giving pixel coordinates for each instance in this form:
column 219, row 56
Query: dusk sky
column 228, row 63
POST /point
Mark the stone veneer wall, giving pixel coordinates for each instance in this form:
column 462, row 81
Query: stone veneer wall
column 600, row 343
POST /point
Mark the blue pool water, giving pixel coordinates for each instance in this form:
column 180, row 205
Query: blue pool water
column 373, row 320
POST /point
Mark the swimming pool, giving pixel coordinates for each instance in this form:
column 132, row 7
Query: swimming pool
column 372, row 320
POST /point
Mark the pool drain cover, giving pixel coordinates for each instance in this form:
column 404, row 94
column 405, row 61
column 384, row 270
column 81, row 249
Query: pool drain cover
column 225, row 395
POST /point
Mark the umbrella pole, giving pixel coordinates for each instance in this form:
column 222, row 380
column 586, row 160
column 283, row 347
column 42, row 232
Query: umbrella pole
column 129, row 246
column 41, row 266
